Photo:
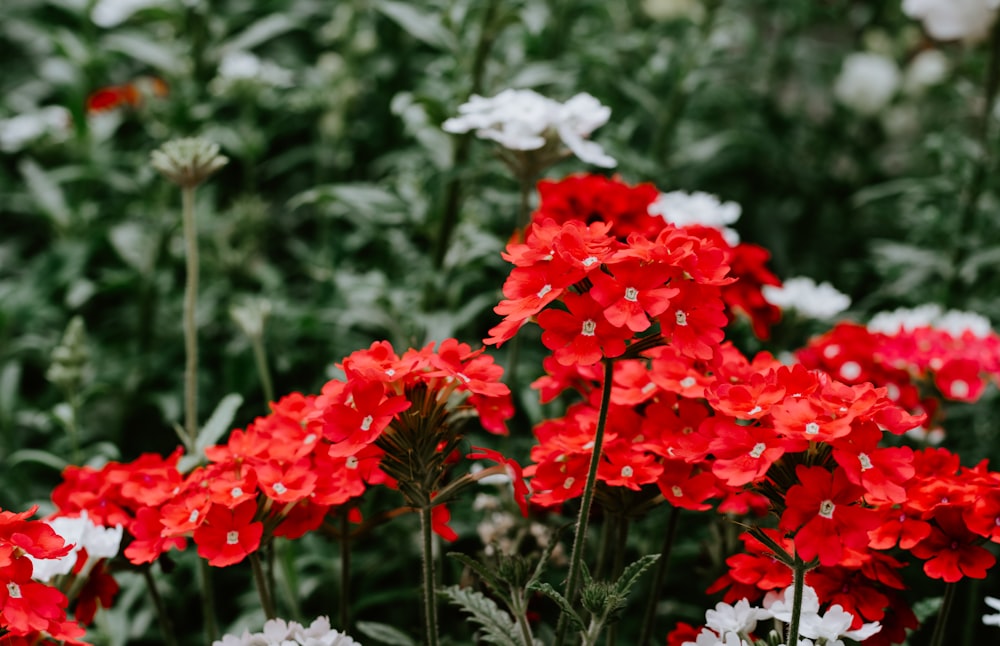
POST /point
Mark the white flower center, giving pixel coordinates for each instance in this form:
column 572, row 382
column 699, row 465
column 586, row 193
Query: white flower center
column 309, row 438
column 464, row 377
column 232, row 538
column 589, row 327
column 352, row 462
column 544, row 290
column 826, row 509
column 280, row 488
column 627, row 472
column 677, row 491
column 831, row 351
column 812, row 428
column 236, row 492
column 851, row 370
column 194, row 516
column 631, row 294
column 866, row 462
column 390, row 373
column 587, row 262
column 754, row 410
column 648, row 388
column 959, row 389
column 687, row 382
column 14, row 590
column 758, row 450
column 568, row 482
column 366, row 423
column 681, row 317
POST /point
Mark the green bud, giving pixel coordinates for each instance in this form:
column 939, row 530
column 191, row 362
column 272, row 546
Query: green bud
column 70, row 357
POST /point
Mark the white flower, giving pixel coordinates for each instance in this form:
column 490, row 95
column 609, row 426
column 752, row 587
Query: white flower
column 834, row 624
column 992, row 620
column 526, row 120
column 954, row 19
column 673, row 9
column 243, row 66
column 684, row 209
column 708, row 638
column 927, row 68
column 867, row 82
column 278, row 632
column 781, row 609
column 741, row 618
column 111, row 13
column 955, row 322
column 803, row 295
column 20, row 130
column 82, row 534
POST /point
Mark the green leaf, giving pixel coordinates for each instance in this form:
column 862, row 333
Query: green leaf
column 259, row 32
column 561, row 601
column 424, row 26
column 47, row 193
column 384, row 633
column 213, row 429
column 135, row 244
column 485, row 573
column 141, row 47
column 37, row 457
column 632, row 573
column 10, row 380
column 499, row 627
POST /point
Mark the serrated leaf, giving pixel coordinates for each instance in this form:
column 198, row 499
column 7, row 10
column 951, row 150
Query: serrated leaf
column 384, row 633
column 36, row 456
column 561, row 601
column 47, row 193
column 632, row 573
column 259, row 32
column 484, row 572
column 424, row 26
column 499, row 627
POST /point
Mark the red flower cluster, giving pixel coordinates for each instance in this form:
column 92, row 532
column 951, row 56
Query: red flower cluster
column 281, row 474
column 131, row 94
column 30, row 610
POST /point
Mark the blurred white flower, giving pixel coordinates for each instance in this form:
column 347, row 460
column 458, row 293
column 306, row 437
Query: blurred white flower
column 111, row 13
column 954, row 19
column 994, row 619
column 955, row 322
column 683, row 209
column 99, row 543
column 803, row 295
column 867, row 82
column 281, row 633
column 674, row 9
column 244, row 66
column 20, row 130
column 929, row 67
column 526, row 120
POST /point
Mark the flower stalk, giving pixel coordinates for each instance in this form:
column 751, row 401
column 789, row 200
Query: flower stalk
column 659, row 574
column 940, row 626
column 427, row 557
column 799, row 568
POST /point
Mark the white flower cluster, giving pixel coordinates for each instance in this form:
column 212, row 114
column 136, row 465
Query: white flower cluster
column 954, row 19
column 99, row 543
column 526, row 120
column 867, row 82
column 683, row 208
column 237, row 66
column 728, row 625
column 278, row 632
column 802, row 294
column 954, row 322
column 994, row 619
column 111, row 13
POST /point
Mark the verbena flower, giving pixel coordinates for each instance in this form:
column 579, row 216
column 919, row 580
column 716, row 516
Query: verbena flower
column 17, row 132
column 803, row 295
column 278, row 632
column 954, row 19
column 867, row 82
column 994, row 619
column 684, row 209
column 523, row 120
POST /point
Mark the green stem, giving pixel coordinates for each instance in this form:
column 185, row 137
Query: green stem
column 798, row 583
column 74, row 425
column 190, row 319
column 430, row 601
column 345, row 571
column 603, row 546
column 519, row 605
column 260, row 580
column 166, row 627
column 208, row 601
column 940, row 626
column 579, row 540
column 260, row 360
column 617, row 566
column 659, row 574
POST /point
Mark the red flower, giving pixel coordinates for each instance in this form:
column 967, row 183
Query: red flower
column 149, row 541
column 229, row 535
column 514, row 471
column 951, row 550
column 634, row 292
column 358, row 421
column 959, row 379
column 743, row 454
column 823, row 513
column 582, row 335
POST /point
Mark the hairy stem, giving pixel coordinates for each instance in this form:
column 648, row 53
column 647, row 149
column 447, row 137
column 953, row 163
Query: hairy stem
column 940, row 626
column 190, row 318
column 659, row 575
column 260, row 580
column 345, row 571
column 260, row 360
column 208, row 601
column 798, row 583
column 430, row 601
column 579, row 539
column 166, row 626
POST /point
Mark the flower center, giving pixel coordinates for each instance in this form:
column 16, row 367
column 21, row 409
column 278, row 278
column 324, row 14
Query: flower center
column 366, row 423
column 681, row 317
column 589, row 261
column 568, row 482
column 14, row 590
column 648, row 388
column 544, row 290
column 589, row 327
column 279, row 488
column 236, row 492
column 851, row 370
column 826, row 508
column 390, row 373
column 309, row 438
column 866, row 462
column 754, row 410
column 959, row 389
column 631, row 294
column 352, row 462
column 194, row 516
column 812, row 428
column 232, row 537
column 677, row 491
column 758, row 450
column 627, row 472
column 687, row 382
